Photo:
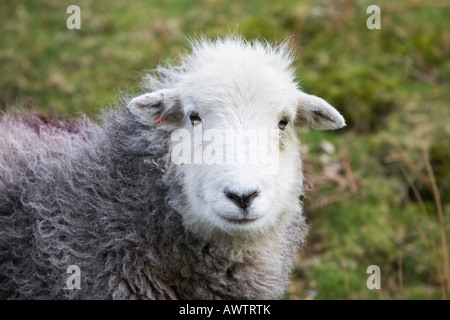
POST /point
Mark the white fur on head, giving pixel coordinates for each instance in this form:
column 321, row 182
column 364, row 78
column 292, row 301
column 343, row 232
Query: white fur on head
column 233, row 85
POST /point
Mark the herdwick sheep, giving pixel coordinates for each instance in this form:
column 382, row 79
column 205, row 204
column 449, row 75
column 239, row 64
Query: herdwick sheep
column 140, row 221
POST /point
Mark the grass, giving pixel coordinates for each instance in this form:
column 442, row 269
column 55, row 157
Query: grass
column 381, row 197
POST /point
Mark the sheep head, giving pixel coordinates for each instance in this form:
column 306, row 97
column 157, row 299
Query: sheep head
column 234, row 101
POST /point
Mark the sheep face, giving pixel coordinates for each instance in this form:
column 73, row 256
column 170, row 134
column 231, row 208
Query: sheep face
column 233, row 137
column 240, row 132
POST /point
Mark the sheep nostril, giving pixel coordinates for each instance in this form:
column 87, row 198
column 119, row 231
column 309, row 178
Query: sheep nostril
column 244, row 200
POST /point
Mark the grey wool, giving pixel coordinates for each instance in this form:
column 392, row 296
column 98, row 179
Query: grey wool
column 94, row 195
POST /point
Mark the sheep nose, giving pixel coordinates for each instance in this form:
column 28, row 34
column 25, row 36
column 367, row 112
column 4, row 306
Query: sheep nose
column 242, row 200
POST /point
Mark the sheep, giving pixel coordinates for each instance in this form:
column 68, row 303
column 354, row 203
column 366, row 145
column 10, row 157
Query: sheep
column 111, row 197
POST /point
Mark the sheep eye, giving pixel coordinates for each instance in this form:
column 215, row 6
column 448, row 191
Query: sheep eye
column 282, row 124
column 195, row 118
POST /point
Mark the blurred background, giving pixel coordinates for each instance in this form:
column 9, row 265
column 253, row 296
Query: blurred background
column 378, row 190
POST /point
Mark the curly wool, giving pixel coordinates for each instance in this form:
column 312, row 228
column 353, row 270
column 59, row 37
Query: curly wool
column 88, row 196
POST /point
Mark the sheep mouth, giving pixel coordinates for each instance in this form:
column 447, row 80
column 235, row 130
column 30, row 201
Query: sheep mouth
column 242, row 221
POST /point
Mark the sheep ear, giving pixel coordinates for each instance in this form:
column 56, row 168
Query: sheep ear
column 157, row 108
column 317, row 113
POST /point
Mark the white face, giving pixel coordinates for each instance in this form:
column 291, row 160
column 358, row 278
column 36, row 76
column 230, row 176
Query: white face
column 236, row 184
column 228, row 89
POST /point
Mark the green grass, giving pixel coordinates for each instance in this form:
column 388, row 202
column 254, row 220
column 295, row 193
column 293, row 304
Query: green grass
column 378, row 205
